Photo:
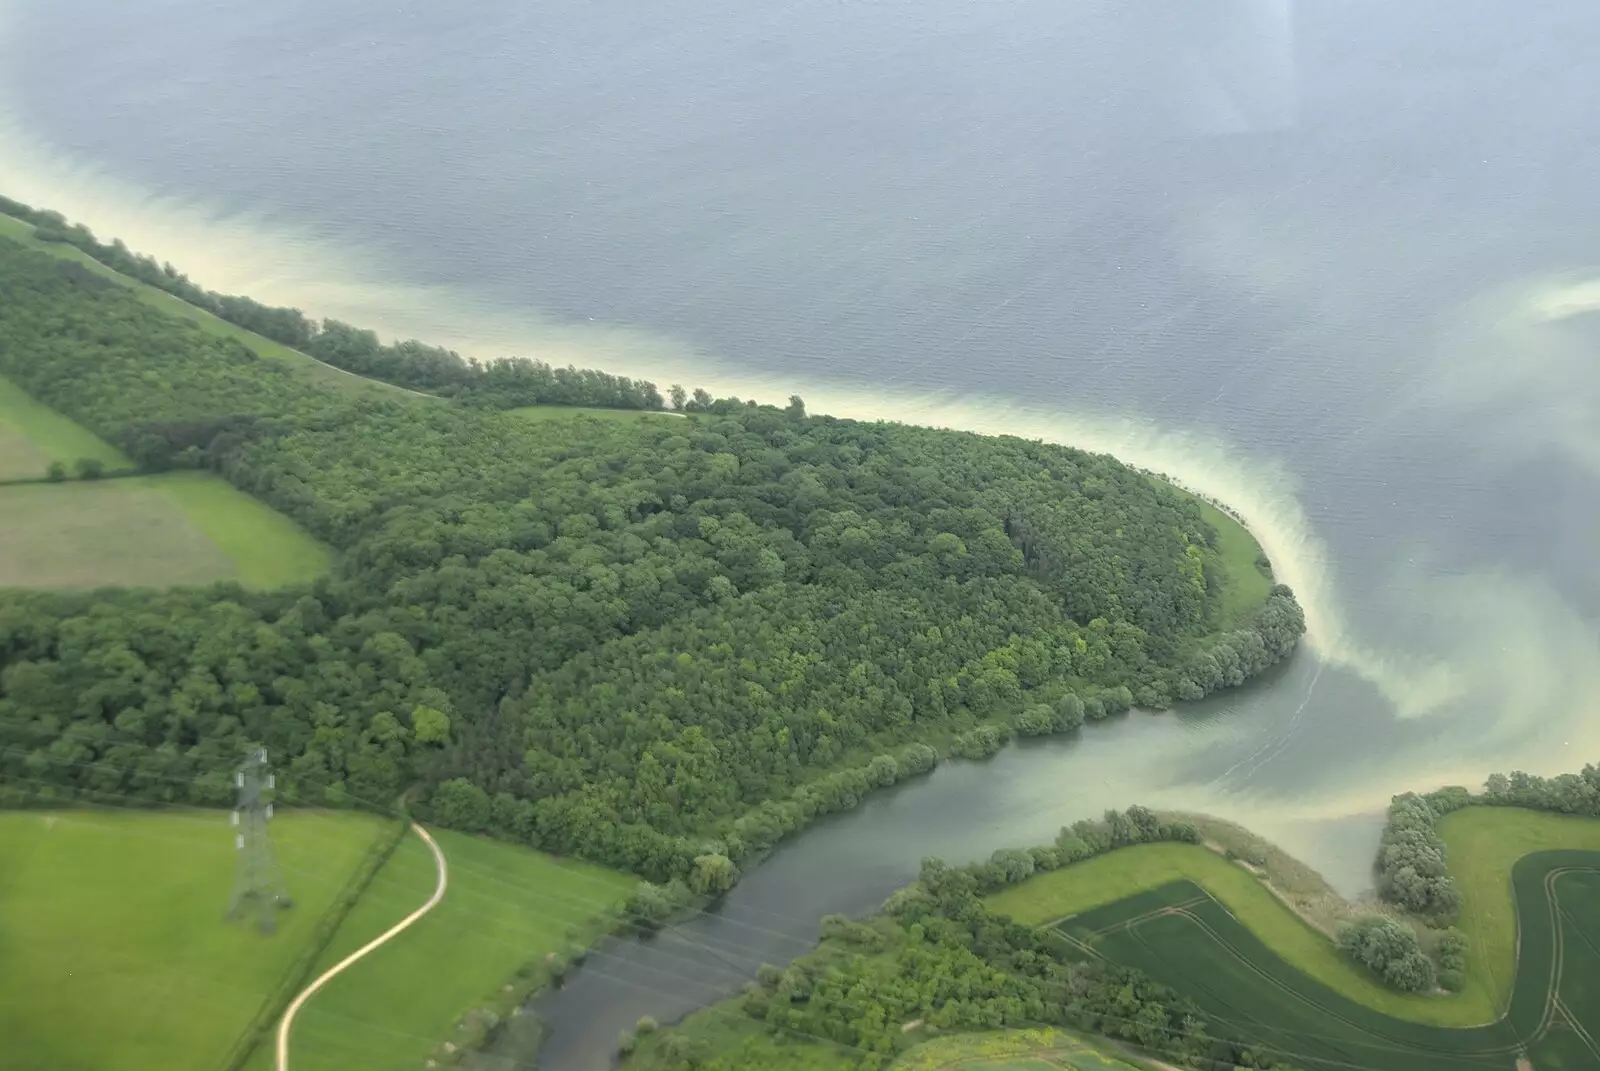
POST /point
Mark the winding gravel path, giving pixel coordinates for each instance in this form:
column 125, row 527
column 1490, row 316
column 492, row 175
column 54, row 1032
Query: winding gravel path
column 328, row 975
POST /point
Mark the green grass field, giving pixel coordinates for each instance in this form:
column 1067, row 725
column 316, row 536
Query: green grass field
column 1042, row 1049
column 1483, row 844
column 32, row 435
column 113, row 948
column 19, row 231
column 174, row 528
column 1237, row 551
column 506, row 906
column 570, row 412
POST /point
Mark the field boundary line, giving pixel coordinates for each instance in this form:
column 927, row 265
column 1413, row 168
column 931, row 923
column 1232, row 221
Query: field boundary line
column 286, row 1024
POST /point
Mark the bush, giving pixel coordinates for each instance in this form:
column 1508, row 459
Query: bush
column 979, row 743
column 1037, row 720
column 650, row 906
column 1390, row 950
column 56, row 472
column 89, row 468
column 713, row 874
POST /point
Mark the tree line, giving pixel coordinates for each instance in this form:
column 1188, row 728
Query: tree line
column 516, row 381
column 657, row 645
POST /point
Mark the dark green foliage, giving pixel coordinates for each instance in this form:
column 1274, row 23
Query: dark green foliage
column 89, row 468
column 631, row 638
column 411, row 364
column 1390, row 950
column 1411, row 862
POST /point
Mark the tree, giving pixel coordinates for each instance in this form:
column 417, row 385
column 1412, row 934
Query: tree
column 713, row 874
column 56, row 472
column 461, row 804
column 430, row 726
column 796, row 407
column 89, row 468
column 678, row 395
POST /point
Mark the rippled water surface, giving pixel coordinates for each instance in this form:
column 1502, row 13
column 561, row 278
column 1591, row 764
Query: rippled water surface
column 1333, row 262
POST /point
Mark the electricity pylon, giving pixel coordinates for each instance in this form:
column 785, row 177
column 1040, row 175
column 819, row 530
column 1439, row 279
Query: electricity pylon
column 258, row 887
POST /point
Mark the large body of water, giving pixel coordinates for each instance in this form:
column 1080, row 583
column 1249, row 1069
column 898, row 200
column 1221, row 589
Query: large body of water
column 1331, row 261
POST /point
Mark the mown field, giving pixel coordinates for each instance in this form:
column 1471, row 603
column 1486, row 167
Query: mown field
column 114, row 952
column 144, row 531
column 506, row 906
column 335, row 378
column 149, row 531
column 1220, row 948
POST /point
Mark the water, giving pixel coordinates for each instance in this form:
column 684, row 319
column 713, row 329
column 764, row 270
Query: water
column 1334, row 264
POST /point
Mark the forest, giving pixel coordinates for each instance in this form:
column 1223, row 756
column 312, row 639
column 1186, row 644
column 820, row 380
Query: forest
column 660, row 645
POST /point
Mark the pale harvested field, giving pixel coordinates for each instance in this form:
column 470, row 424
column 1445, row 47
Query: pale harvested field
column 111, row 533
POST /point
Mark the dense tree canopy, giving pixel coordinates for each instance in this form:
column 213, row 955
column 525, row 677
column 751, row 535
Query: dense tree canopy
column 648, row 642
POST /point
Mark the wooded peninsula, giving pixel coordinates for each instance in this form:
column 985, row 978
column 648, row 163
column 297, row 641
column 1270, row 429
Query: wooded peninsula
column 661, row 645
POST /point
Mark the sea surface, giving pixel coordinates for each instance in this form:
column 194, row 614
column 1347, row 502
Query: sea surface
column 1332, row 262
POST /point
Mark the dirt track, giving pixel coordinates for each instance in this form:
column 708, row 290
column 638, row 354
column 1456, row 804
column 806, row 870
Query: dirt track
column 328, row 975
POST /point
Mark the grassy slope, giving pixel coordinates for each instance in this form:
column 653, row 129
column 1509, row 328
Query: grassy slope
column 1483, row 843
column 327, row 375
column 1106, row 879
column 1247, row 585
column 25, row 422
column 115, row 949
column 505, row 906
column 568, row 412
